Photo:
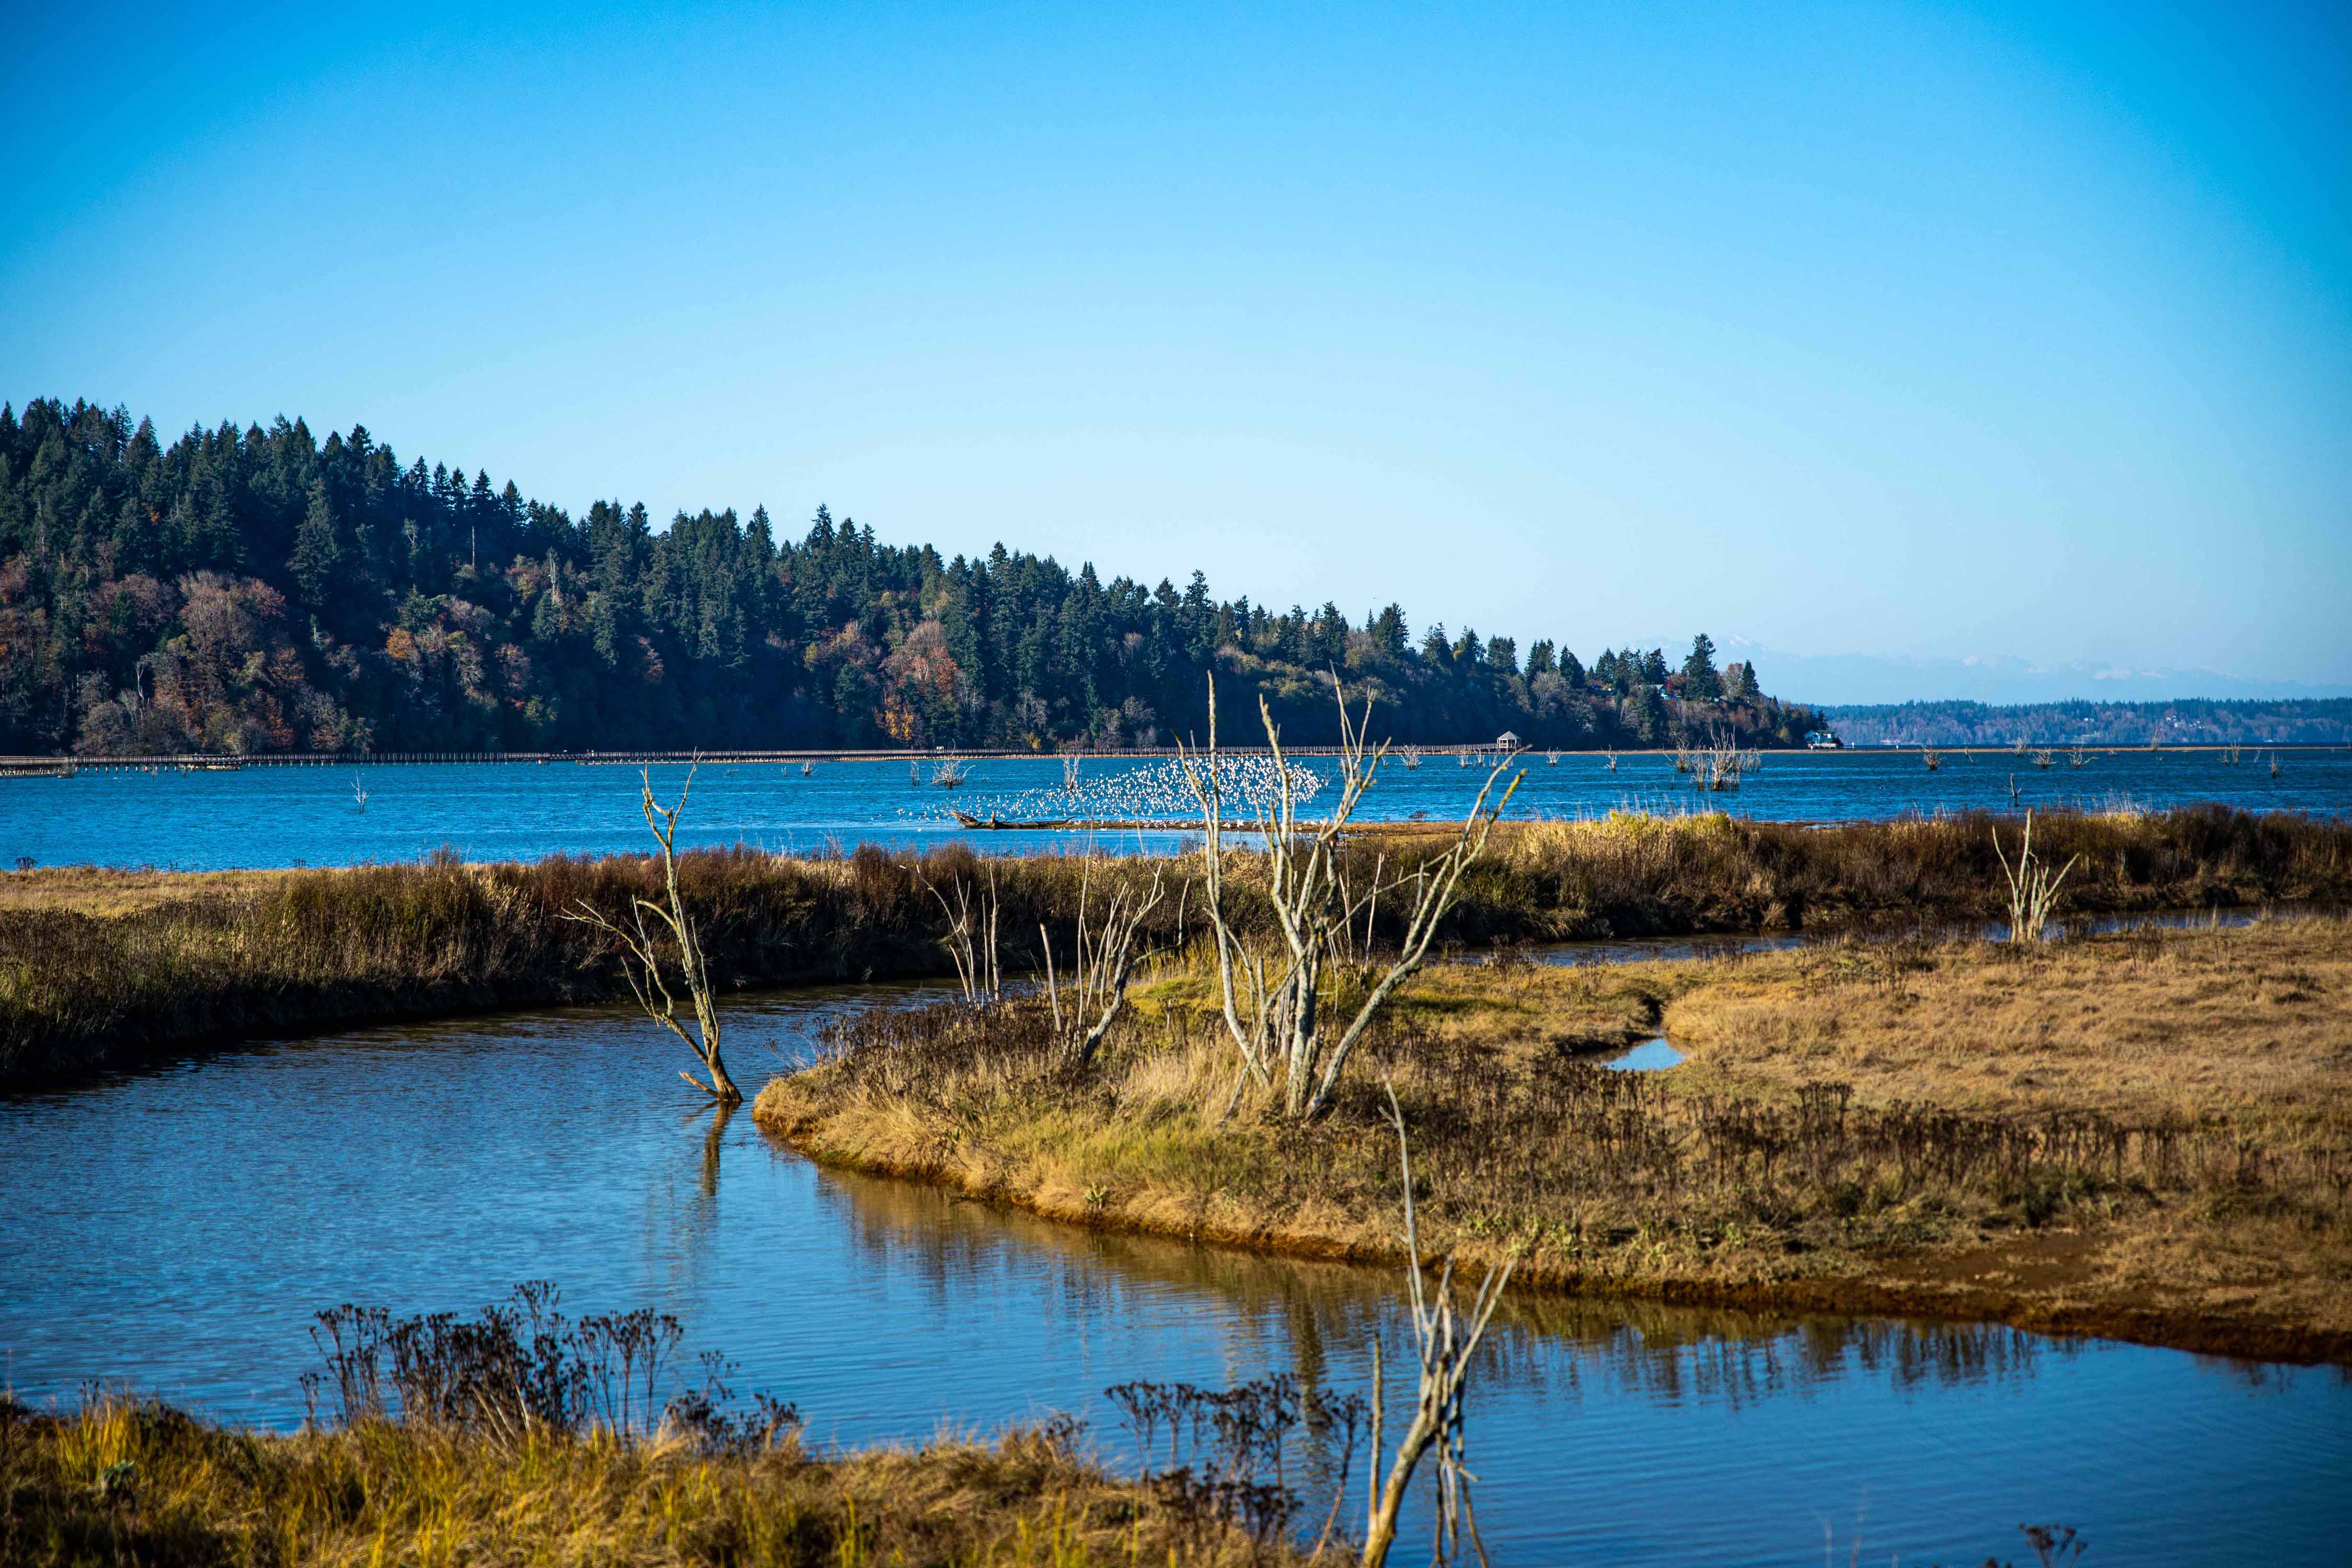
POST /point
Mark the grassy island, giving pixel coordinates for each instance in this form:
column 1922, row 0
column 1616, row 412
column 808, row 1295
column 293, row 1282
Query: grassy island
column 2144, row 1135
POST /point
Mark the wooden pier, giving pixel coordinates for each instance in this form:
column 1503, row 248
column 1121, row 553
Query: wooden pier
column 194, row 762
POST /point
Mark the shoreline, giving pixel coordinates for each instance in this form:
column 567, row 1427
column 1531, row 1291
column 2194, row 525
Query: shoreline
column 2155, row 1329
column 60, row 764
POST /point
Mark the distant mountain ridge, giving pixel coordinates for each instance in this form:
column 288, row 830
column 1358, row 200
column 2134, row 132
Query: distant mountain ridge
column 2187, row 721
column 1854, row 680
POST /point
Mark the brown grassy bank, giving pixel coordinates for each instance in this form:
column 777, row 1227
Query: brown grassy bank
column 99, row 967
column 119, row 1481
column 204, row 958
column 2144, row 1136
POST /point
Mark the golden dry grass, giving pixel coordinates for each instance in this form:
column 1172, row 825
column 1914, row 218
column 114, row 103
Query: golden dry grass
column 112, row 894
column 2252, row 1024
column 122, row 1482
column 2145, row 1135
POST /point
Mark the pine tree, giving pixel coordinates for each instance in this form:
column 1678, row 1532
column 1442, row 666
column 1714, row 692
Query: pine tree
column 317, row 552
column 1700, row 681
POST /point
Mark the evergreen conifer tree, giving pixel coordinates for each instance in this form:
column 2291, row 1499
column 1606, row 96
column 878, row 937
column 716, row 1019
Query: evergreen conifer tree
column 317, row 552
column 1700, row 681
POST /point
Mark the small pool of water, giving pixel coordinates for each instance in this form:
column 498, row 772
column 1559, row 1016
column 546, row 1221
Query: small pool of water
column 1650, row 1055
column 174, row 1229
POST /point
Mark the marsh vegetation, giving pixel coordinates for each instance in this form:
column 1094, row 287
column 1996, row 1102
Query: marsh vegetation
column 100, row 966
column 2143, row 1134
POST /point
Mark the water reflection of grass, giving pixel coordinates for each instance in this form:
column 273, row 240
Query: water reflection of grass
column 1296, row 1313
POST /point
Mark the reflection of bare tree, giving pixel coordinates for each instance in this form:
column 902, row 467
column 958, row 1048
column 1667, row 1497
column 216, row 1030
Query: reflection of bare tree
column 721, row 1114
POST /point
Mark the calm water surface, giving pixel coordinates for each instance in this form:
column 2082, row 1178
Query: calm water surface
column 175, row 1228
column 285, row 816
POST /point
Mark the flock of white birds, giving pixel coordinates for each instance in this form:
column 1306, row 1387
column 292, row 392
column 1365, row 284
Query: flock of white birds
column 1158, row 792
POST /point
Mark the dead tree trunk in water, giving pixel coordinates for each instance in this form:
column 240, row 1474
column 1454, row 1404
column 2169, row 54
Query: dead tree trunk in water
column 641, row 956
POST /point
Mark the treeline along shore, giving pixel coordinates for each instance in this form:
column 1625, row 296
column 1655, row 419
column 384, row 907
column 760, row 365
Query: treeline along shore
column 102, row 968
column 240, row 592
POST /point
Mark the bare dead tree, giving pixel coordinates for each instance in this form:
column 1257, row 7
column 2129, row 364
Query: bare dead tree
column 970, row 938
column 1273, row 992
column 1445, row 1343
column 1102, row 962
column 643, row 960
column 2033, row 887
column 1719, row 764
column 1933, row 757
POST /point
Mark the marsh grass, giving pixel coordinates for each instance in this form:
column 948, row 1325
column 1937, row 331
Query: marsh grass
column 521, row 1434
column 101, row 967
column 121, row 1480
column 304, row 950
column 2147, row 1134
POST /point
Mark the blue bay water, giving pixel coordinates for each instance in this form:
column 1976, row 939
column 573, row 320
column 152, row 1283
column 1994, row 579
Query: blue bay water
column 272, row 817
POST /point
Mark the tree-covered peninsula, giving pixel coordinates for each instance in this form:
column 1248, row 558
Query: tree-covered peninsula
column 259, row 590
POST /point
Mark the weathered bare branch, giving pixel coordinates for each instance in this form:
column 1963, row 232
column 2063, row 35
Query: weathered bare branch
column 2033, row 888
column 1446, row 1345
column 642, row 958
column 1274, row 994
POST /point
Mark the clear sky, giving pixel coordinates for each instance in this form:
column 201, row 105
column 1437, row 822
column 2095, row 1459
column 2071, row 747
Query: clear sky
column 1934, row 330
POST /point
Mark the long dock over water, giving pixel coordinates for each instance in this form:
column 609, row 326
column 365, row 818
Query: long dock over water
column 194, row 762
column 66, row 767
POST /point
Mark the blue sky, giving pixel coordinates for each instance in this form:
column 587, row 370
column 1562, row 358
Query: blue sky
column 1939, row 332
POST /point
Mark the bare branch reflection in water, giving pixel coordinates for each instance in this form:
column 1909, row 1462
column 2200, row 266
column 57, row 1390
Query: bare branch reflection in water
column 721, row 1114
column 1314, row 1322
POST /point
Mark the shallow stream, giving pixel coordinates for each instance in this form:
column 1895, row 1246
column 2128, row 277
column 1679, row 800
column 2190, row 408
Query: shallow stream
column 175, row 1228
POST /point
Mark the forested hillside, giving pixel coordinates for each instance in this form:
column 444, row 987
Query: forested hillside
column 261, row 591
